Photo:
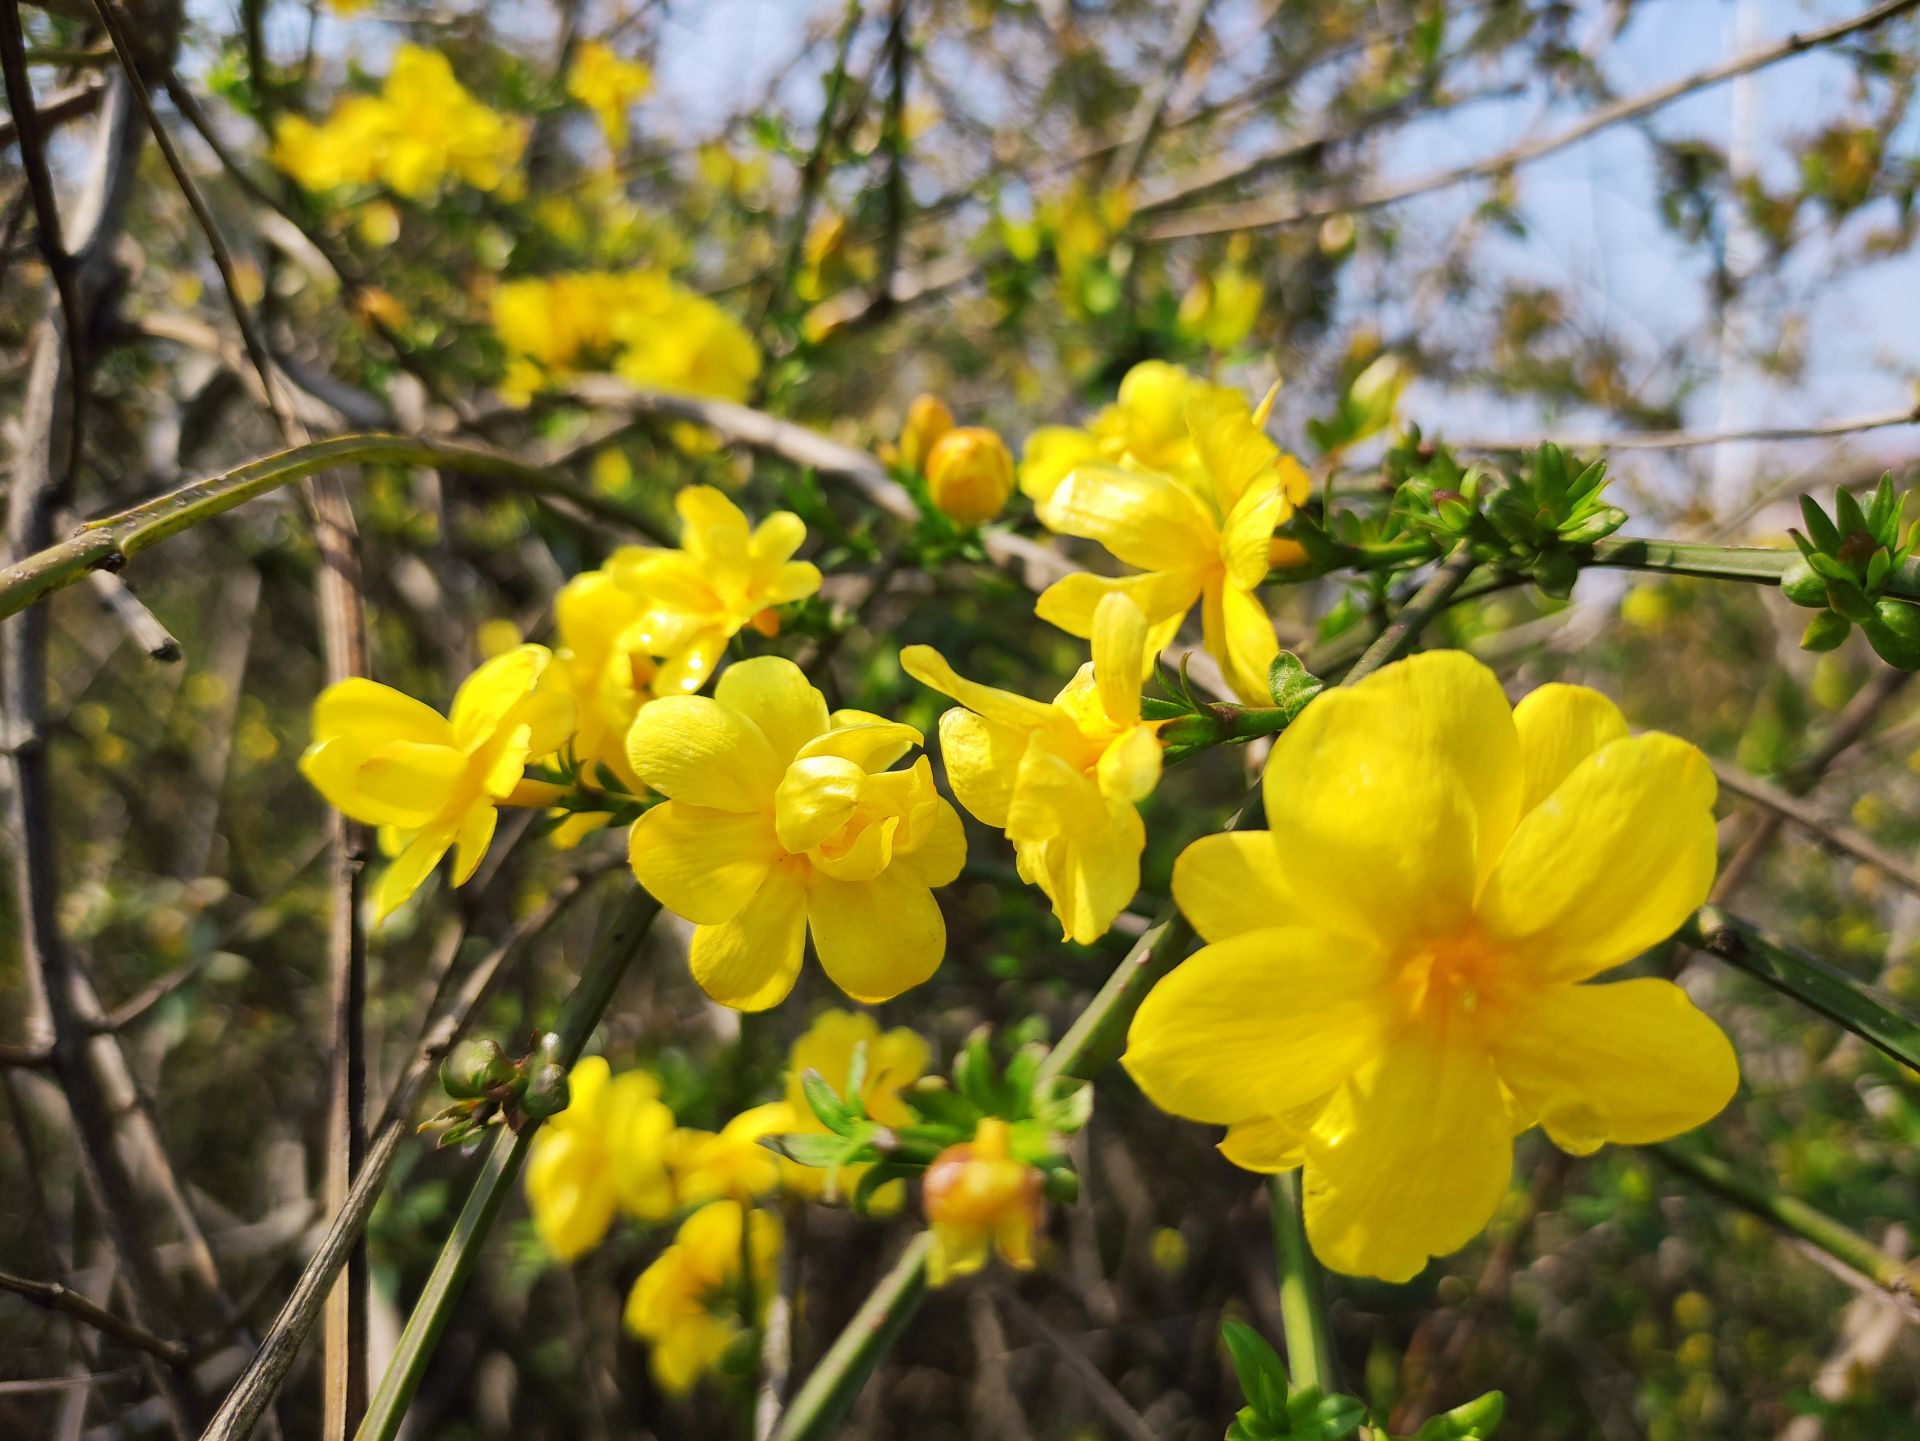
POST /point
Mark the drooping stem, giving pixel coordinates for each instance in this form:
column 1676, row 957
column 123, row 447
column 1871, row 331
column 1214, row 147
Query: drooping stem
column 1303, row 1307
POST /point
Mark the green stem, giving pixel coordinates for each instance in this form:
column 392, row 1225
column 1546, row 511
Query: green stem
column 819, row 1404
column 108, row 543
column 1814, row 983
column 1697, row 558
column 1795, row 1217
column 1427, row 602
column 1303, row 1302
column 591, row 995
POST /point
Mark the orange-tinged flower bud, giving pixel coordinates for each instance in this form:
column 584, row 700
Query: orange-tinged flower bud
column 978, row 1197
column 928, row 419
column 970, row 474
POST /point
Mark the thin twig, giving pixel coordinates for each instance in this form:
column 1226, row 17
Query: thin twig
column 1833, row 833
column 69, row 1302
column 1691, row 439
column 1103, row 1392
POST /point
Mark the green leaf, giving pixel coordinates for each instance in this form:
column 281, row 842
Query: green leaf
column 1826, row 631
column 973, row 1073
column 1819, row 528
column 1847, row 515
column 835, row 1114
column 810, row 1148
column 857, row 1077
column 1472, row 1422
column 1263, row 1377
column 1883, row 518
column 1292, row 684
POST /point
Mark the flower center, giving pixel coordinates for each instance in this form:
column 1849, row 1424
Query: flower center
column 1453, row 979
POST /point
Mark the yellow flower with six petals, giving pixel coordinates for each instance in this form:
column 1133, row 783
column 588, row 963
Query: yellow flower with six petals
column 723, row 577
column 1060, row 777
column 687, row 1304
column 606, row 1152
column 780, row 819
column 1207, row 538
column 1146, row 426
column 431, row 783
column 1394, row 981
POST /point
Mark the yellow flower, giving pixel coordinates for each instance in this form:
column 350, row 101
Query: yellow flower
column 1220, row 310
column 970, row 474
column 604, row 663
column 1146, row 427
column 927, row 420
column 894, row 1060
column 422, row 127
column 978, row 1197
column 731, row 1161
column 1392, row 987
column 431, row 784
column 723, row 578
column 607, row 1152
column 687, row 1305
column 1207, row 539
column 609, row 86
column 781, row 819
column 1060, row 777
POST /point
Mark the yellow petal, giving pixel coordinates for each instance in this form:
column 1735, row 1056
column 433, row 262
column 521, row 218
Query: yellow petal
column 694, row 749
column 1609, row 864
column 870, row 743
column 1239, row 634
column 936, row 857
column 1560, row 726
column 1119, row 646
column 1050, row 452
column 1630, row 1062
column 796, row 580
column 1229, row 883
column 486, row 697
column 930, row 668
column 876, row 938
column 403, row 783
column 1269, row 1145
column 1246, row 543
column 777, row 537
column 1145, row 519
column 1129, row 768
column 1261, row 1024
column 816, row 797
column 568, row 1192
column 1409, row 1160
column 750, row 961
column 1409, row 779
column 364, row 707
column 470, row 842
column 775, row 695
column 701, row 864
column 1162, row 595
column 406, row 871
column 982, row 757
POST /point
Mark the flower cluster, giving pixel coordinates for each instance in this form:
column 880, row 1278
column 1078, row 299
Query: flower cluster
column 609, row 86
column 618, row 1151
column 420, row 129
column 638, row 324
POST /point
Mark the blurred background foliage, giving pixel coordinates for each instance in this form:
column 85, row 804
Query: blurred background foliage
column 1008, row 205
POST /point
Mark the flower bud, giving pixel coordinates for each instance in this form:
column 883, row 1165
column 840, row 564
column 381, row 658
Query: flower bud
column 547, row 1092
column 475, row 1067
column 927, row 420
column 970, row 474
column 1894, row 633
column 978, row 1197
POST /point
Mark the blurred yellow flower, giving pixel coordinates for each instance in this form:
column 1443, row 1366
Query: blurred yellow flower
column 782, row 819
column 605, row 664
column 1208, row 539
column 638, row 324
column 977, row 1198
column 731, row 1162
column 422, row 127
column 723, row 578
column 687, row 1306
column 609, row 86
column 895, row 1059
column 431, row 783
column 1061, row 777
column 928, row 418
column 1220, row 310
column 1393, row 982
column 606, row 1152
column 970, row 474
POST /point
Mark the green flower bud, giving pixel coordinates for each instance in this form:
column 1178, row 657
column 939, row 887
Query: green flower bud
column 1825, row 631
column 1894, row 633
column 547, row 1092
column 1801, row 586
column 474, row 1068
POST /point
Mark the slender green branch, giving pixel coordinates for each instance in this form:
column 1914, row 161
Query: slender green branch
column 591, row 996
column 1755, row 564
column 1303, row 1302
column 1793, row 1216
column 1816, row 984
column 109, row 542
column 819, row 1404
column 1427, row 602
